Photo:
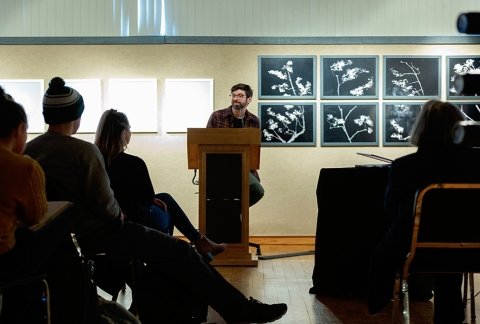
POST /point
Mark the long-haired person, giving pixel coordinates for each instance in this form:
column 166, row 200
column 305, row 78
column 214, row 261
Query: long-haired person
column 133, row 189
column 437, row 159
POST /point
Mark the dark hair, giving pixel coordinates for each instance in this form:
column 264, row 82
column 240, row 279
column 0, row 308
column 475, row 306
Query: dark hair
column 434, row 125
column 109, row 137
column 12, row 114
column 244, row 87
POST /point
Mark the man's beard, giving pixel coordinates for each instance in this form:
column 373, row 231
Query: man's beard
column 237, row 106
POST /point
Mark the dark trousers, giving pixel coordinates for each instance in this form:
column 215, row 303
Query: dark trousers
column 49, row 251
column 169, row 258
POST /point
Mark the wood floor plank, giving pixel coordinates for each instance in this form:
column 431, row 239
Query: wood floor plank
column 288, row 280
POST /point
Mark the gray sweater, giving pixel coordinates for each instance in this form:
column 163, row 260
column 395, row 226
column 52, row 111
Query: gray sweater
column 75, row 171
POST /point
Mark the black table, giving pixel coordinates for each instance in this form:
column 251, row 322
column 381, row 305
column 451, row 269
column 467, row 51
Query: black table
column 350, row 223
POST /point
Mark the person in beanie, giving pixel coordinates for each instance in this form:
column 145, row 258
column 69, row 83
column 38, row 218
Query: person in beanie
column 75, row 172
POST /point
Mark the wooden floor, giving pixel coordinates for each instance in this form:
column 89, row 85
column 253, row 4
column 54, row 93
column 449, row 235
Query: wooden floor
column 287, row 280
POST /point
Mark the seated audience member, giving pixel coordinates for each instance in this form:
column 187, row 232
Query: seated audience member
column 133, row 189
column 25, row 252
column 437, row 159
column 75, row 171
column 238, row 116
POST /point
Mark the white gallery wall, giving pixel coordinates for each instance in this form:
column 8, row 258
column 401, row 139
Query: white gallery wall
column 270, row 18
column 289, row 174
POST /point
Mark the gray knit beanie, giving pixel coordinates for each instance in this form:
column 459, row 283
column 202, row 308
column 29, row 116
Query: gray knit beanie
column 61, row 104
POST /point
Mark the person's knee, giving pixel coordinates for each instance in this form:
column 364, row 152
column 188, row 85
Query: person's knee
column 164, row 196
column 256, row 194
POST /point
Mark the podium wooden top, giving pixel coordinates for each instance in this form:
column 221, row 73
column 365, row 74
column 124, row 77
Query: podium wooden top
column 223, row 136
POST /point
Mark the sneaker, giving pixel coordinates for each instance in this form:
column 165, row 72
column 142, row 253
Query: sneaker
column 257, row 312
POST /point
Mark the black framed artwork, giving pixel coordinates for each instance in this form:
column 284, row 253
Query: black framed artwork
column 287, row 77
column 412, row 76
column 348, row 77
column 470, row 110
column 398, row 121
column 458, row 66
column 288, row 124
column 349, row 124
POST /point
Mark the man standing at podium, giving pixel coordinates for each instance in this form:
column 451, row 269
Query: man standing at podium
column 237, row 116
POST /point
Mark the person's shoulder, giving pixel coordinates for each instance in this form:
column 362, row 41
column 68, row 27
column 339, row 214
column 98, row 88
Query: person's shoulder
column 220, row 111
column 251, row 114
column 27, row 164
column 129, row 159
column 408, row 159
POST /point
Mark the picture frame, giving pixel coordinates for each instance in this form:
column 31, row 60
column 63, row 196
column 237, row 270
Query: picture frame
column 91, row 91
column 407, row 77
column 349, row 77
column 398, row 121
column 137, row 98
column 470, row 110
column 288, row 123
column 29, row 93
column 458, row 66
column 179, row 114
column 349, row 124
column 286, row 77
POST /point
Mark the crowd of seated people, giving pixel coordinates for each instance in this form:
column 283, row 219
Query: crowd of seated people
column 74, row 170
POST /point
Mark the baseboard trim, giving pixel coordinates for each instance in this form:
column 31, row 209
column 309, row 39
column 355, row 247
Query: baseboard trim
column 279, row 240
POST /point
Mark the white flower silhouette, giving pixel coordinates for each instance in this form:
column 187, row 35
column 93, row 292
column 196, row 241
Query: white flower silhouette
column 290, row 87
column 364, row 122
column 287, row 126
column 407, row 83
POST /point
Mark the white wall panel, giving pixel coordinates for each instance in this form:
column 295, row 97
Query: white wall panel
column 270, row 18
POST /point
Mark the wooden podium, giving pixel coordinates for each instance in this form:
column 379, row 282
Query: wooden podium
column 224, row 158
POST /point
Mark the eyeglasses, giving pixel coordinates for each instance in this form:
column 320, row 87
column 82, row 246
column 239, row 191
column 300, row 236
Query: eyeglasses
column 239, row 96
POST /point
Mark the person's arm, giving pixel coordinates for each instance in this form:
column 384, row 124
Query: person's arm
column 143, row 184
column 211, row 121
column 96, row 185
column 34, row 201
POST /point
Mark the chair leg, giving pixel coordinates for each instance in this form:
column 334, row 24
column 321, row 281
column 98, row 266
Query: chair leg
column 133, row 307
column 406, row 302
column 396, row 301
column 472, row 297
column 465, row 290
column 47, row 299
column 257, row 246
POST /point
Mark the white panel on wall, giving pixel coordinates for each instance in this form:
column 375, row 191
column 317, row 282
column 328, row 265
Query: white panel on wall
column 90, row 89
column 137, row 98
column 28, row 93
column 188, row 104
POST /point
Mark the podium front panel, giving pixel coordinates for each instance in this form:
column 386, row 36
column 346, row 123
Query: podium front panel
column 224, row 197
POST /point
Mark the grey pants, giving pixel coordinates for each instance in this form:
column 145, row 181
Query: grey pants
column 255, row 188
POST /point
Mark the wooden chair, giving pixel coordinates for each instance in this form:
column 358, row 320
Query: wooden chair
column 445, row 239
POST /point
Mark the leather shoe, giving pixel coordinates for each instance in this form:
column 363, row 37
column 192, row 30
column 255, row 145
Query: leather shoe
column 205, row 246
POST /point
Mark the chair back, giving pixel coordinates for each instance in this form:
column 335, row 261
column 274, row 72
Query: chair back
column 446, row 230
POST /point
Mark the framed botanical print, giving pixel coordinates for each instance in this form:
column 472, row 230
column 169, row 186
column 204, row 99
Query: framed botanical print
column 398, row 121
column 470, row 110
column 457, row 66
column 288, row 123
column 407, row 77
column 349, row 124
column 349, row 77
column 287, row 77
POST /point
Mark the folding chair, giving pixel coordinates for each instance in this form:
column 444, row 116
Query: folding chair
column 445, row 238
column 28, row 281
